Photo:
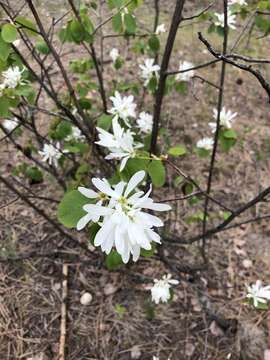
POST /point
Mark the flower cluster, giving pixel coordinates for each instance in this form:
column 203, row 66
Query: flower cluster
column 149, row 69
column 231, row 17
column 185, row 74
column 226, row 119
column 51, row 153
column 205, row 143
column 118, row 211
column 160, row 291
column 220, row 19
column 123, row 107
column 160, row 29
column 10, row 124
column 12, row 78
column 258, row 294
column 120, row 143
column 114, row 54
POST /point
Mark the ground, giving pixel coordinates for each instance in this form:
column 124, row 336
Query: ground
column 121, row 322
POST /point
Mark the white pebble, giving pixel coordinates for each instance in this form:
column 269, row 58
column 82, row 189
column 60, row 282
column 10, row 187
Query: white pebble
column 86, row 298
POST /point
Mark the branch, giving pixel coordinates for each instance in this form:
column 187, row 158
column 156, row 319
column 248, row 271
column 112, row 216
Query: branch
column 248, row 68
column 176, row 19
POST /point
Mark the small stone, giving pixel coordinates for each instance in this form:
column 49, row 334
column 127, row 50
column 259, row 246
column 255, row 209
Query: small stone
column 247, row 263
column 109, row 289
column 86, row 299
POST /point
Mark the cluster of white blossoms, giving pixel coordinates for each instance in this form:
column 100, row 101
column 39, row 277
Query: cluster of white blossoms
column 205, row 143
column 149, row 69
column 52, row 153
column 120, row 143
column 76, row 134
column 114, row 54
column 238, row 2
column 123, row 107
column 160, row 29
column 118, row 211
column 258, row 293
column 160, row 291
column 145, row 122
column 231, row 18
column 226, row 119
column 12, row 78
column 186, row 74
column 10, row 124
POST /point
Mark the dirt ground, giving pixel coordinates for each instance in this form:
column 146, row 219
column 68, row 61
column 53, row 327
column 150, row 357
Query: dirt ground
column 121, row 323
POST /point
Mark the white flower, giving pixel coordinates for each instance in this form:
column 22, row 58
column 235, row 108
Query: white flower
column 10, row 124
column 149, row 68
column 258, row 293
column 16, row 43
column 220, row 20
column 239, row 2
column 187, row 75
column 205, row 143
column 51, row 153
column 114, row 54
column 76, row 134
column 13, row 77
column 160, row 29
column 124, row 226
column 121, row 143
column 161, row 288
column 123, row 107
column 145, row 122
column 226, row 119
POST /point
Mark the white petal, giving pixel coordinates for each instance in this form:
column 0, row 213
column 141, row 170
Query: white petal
column 134, row 181
column 103, row 233
column 91, row 194
column 97, row 210
column 83, row 222
column 104, row 188
column 123, row 163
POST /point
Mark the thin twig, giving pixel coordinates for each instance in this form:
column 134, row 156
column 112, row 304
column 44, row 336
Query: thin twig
column 63, row 324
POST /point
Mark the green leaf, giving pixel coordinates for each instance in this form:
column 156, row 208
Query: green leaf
column 178, row 150
column 202, row 152
column 28, row 26
column 5, row 50
column 34, row 174
column 70, row 209
column 117, row 23
column 157, row 172
column 113, row 261
column 230, row 134
column 105, row 122
column 154, row 44
column 149, row 253
column 92, row 232
column 77, row 31
column 4, row 106
column 42, row 47
column 181, row 87
column 130, row 23
column 9, row 33
column 187, row 188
